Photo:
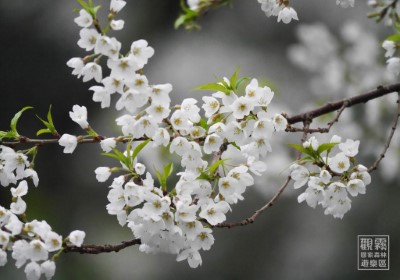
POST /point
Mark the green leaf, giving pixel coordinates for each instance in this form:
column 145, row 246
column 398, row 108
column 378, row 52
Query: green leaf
column 139, row 148
column 302, row 149
column 168, row 170
column 43, row 131
column 213, row 87
column 223, row 82
column 8, row 134
column 96, row 9
column 11, row 135
column 204, row 176
column 203, row 124
column 241, row 80
column 162, row 177
column 180, row 21
column 49, row 124
column 15, row 119
column 233, row 79
column 307, row 158
column 159, row 175
column 325, row 146
column 215, row 165
column 111, row 155
column 183, row 5
column 187, row 18
column 394, row 37
column 83, row 4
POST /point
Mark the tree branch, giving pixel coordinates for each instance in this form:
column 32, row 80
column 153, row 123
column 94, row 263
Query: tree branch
column 258, row 212
column 333, row 106
column 40, row 142
column 98, row 249
column 270, row 203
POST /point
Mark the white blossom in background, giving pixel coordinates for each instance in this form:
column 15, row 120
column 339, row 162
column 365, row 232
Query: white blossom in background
column 287, row 14
column 279, row 8
column 345, row 3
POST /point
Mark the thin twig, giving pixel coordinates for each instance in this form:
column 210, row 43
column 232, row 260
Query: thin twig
column 98, row 249
column 257, row 213
column 375, row 165
column 309, row 130
column 270, row 203
column 336, row 119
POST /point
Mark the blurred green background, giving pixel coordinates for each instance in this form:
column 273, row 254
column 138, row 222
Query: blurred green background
column 289, row 241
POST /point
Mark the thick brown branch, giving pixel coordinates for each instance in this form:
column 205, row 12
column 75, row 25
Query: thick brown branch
column 40, row 142
column 333, row 106
column 98, row 249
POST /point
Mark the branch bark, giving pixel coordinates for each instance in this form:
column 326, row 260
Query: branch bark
column 333, row 106
column 98, row 249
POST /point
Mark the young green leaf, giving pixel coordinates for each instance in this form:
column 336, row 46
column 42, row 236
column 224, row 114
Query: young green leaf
column 326, row 147
column 394, row 37
column 8, row 134
column 240, row 81
column 203, row 124
column 204, row 176
column 15, row 119
column 139, row 148
column 168, row 170
column 160, row 178
column 215, row 165
column 83, row 4
column 49, row 125
column 213, row 87
column 43, row 131
column 233, row 79
column 111, row 155
column 302, row 149
column 223, row 82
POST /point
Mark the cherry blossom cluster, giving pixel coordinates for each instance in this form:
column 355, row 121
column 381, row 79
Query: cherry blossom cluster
column 284, row 12
column 219, row 152
column 330, row 178
column 30, row 242
column 178, row 220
